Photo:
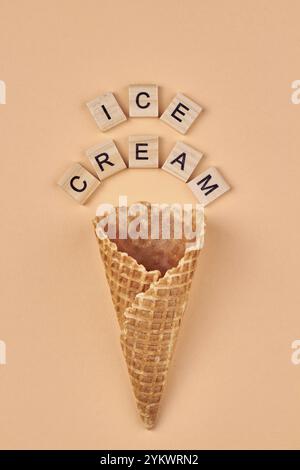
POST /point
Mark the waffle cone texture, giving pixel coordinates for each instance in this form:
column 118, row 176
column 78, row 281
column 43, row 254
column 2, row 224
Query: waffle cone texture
column 149, row 308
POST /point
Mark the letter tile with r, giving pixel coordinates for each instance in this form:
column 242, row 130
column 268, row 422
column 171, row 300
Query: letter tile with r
column 106, row 159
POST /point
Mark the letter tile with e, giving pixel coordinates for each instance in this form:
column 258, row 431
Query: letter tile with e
column 143, row 151
column 78, row 183
column 106, row 159
column 208, row 186
column 182, row 161
column 181, row 113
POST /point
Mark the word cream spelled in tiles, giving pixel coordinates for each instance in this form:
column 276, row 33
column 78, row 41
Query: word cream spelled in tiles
column 181, row 113
column 182, row 161
column 106, row 159
column 208, row 186
column 78, row 183
column 106, row 111
column 143, row 101
column 143, row 151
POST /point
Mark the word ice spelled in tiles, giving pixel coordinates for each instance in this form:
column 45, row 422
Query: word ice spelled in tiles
column 143, row 151
column 106, row 111
column 106, row 159
column 78, row 183
column 182, row 161
column 143, row 101
column 208, row 186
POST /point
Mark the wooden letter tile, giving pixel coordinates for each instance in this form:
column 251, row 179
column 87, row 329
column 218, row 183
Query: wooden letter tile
column 106, row 159
column 208, row 186
column 78, row 183
column 182, row 161
column 106, row 111
column 143, row 101
column 181, row 113
column 143, row 151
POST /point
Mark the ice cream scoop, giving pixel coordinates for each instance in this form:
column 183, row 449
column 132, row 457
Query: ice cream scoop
column 160, row 253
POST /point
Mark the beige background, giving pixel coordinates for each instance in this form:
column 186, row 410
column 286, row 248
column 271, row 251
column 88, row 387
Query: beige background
column 232, row 384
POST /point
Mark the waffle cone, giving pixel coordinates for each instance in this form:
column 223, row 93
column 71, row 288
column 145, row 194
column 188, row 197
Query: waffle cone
column 149, row 309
